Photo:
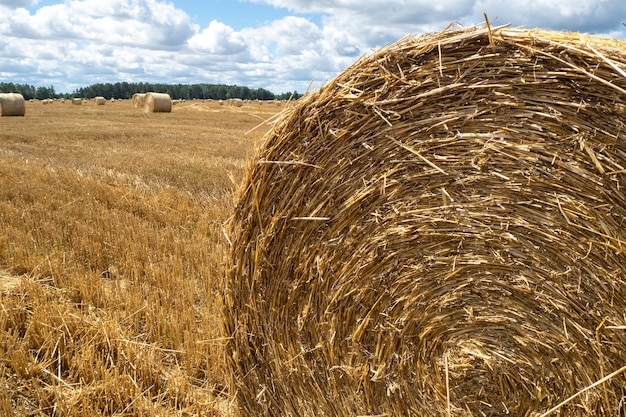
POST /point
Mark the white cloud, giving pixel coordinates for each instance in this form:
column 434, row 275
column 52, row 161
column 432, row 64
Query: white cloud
column 380, row 12
column 291, row 35
column 79, row 42
column 139, row 22
column 595, row 16
column 218, row 39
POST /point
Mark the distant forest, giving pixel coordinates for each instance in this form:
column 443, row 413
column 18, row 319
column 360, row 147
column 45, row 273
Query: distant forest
column 124, row 90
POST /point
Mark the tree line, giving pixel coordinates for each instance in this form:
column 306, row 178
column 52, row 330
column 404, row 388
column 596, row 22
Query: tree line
column 125, row 90
column 28, row 91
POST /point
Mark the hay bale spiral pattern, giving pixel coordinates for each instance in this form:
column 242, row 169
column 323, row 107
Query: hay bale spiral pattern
column 440, row 230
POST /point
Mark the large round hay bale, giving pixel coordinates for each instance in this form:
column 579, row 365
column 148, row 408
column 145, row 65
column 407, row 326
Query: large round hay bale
column 12, row 104
column 100, row 101
column 157, row 103
column 236, row 102
column 77, row 101
column 138, row 99
column 440, row 230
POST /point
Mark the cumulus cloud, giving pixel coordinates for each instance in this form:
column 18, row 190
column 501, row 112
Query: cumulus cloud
column 74, row 43
column 149, row 23
column 219, row 39
column 292, row 52
column 291, row 35
column 354, row 27
column 383, row 11
column 595, row 16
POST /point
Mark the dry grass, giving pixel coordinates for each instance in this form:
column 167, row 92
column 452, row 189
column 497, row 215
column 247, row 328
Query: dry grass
column 111, row 255
column 440, row 230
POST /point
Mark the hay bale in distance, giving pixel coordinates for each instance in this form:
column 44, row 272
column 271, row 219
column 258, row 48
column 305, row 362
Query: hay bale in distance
column 139, row 99
column 77, row 101
column 236, row 102
column 440, row 230
column 158, row 103
column 12, row 104
column 100, row 101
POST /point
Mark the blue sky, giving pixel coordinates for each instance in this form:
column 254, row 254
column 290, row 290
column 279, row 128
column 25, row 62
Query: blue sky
column 280, row 45
column 238, row 15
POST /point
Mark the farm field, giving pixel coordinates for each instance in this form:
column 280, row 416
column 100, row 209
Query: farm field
column 112, row 250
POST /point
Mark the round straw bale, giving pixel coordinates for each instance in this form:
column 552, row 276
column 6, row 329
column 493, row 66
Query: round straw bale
column 77, row 101
column 157, row 103
column 440, row 230
column 12, row 104
column 100, row 101
column 237, row 102
column 138, row 99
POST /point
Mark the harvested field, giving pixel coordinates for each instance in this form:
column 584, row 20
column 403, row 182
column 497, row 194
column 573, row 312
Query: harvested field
column 439, row 231
column 111, row 256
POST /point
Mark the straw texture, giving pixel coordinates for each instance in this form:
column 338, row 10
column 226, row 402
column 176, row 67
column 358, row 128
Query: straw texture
column 12, row 104
column 138, row 99
column 157, row 103
column 440, row 230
